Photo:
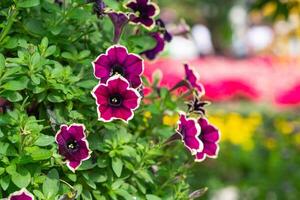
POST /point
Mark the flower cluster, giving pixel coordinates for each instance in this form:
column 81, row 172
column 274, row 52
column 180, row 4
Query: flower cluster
column 198, row 135
column 119, row 91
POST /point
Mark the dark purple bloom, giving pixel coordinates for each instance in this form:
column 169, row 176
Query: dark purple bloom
column 192, row 77
column 99, row 7
column 209, row 136
column 23, row 194
column 116, row 100
column 117, row 60
column 197, row 105
column 167, row 36
column 119, row 20
column 159, row 47
column 189, row 130
column 144, row 12
column 72, row 144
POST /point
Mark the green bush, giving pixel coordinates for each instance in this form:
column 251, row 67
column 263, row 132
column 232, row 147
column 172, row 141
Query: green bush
column 46, row 79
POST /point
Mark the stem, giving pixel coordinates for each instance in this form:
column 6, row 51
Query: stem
column 13, row 14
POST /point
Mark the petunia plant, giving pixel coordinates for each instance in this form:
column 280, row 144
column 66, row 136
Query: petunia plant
column 75, row 120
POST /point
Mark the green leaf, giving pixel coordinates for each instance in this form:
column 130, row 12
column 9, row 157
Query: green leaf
column 84, row 54
column 16, row 85
column 88, row 84
column 55, row 98
column 37, row 153
column 28, row 3
column 50, row 51
column 4, row 182
column 124, row 194
column 152, row 197
column 86, row 195
column 44, row 140
column 12, row 96
column 51, row 184
column 2, row 170
column 117, row 166
column 21, row 178
column 38, row 194
column 2, row 63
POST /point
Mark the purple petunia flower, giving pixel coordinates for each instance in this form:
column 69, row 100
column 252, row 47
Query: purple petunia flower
column 117, row 60
column 116, row 100
column 72, row 144
column 23, row 194
column 209, row 136
column 192, row 77
column 119, row 20
column 189, row 130
column 159, row 47
column 144, row 12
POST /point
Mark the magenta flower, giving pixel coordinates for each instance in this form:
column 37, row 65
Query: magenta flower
column 144, row 12
column 189, row 130
column 23, row 194
column 192, row 77
column 72, row 145
column 209, row 136
column 117, row 60
column 119, row 20
column 116, row 100
column 159, row 47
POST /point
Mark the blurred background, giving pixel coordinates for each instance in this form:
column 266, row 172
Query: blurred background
column 247, row 54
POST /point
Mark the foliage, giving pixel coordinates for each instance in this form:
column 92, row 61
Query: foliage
column 46, row 78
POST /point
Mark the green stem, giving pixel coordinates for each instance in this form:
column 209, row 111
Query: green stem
column 12, row 16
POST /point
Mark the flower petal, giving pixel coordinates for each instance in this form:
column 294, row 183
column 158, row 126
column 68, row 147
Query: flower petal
column 123, row 113
column 23, row 194
column 131, row 99
column 117, row 84
column 77, row 130
column 73, row 165
column 105, row 113
column 101, row 66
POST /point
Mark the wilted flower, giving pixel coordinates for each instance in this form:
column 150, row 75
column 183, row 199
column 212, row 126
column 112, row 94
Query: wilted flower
column 144, row 12
column 159, row 47
column 192, row 77
column 209, row 136
column 117, row 60
column 119, row 20
column 189, row 130
column 167, row 35
column 116, row 100
column 99, row 7
column 23, row 194
column 197, row 105
column 72, row 144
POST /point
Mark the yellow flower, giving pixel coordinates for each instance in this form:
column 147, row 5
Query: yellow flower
column 270, row 143
column 237, row 129
column 284, row 127
column 170, row 120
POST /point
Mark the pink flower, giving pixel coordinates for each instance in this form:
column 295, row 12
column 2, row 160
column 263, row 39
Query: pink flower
column 23, row 194
column 189, row 130
column 116, row 100
column 117, row 60
column 72, row 145
column 209, row 136
column 192, row 78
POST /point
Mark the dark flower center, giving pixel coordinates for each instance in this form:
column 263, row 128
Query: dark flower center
column 72, row 145
column 115, row 100
column 117, row 69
